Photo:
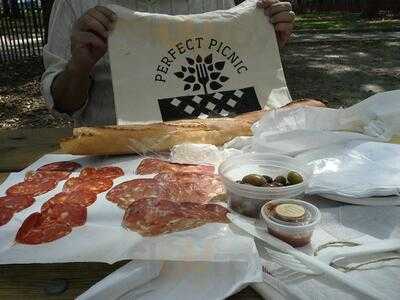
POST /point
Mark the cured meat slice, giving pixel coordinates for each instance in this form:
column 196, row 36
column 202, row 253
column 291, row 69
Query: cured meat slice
column 150, row 217
column 153, row 166
column 191, row 187
column 67, row 166
column 37, row 230
column 105, row 172
column 33, row 188
column 211, row 213
column 47, row 175
column 216, row 213
column 16, row 203
column 71, row 213
column 95, row 185
column 83, row 198
column 6, row 215
column 126, row 193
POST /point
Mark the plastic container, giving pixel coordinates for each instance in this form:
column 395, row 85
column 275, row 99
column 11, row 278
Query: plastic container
column 297, row 234
column 248, row 200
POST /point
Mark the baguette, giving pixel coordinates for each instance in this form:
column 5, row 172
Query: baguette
column 158, row 137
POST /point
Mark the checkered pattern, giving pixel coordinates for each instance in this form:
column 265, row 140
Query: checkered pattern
column 204, row 106
column 220, row 104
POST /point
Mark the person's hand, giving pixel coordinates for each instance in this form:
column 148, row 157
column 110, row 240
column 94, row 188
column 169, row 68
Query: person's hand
column 281, row 16
column 89, row 38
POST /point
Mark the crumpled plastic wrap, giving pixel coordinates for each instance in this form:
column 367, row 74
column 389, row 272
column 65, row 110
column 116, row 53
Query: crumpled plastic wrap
column 297, row 130
column 357, row 169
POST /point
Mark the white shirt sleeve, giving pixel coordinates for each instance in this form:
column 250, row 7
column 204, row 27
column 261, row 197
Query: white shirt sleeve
column 57, row 52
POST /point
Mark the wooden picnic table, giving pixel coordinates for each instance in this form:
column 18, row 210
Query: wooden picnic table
column 19, row 149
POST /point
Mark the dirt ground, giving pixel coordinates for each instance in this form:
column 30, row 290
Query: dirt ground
column 342, row 73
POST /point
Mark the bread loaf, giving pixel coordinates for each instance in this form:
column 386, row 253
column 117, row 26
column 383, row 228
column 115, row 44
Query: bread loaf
column 157, row 137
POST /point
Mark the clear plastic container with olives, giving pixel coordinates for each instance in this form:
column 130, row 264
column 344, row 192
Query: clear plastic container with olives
column 252, row 179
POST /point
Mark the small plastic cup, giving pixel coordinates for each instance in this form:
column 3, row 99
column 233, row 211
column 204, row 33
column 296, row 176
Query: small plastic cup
column 297, row 234
column 248, row 200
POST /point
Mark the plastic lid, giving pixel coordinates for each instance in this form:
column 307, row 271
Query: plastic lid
column 290, row 212
column 312, row 215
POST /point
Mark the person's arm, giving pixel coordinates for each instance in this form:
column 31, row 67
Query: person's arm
column 281, row 16
column 89, row 36
column 70, row 89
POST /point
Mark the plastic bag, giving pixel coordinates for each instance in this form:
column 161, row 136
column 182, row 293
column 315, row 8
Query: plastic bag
column 158, row 58
column 357, row 169
column 297, row 130
column 199, row 280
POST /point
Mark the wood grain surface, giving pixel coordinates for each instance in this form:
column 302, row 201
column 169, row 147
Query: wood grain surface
column 19, row 148
column 30, row 282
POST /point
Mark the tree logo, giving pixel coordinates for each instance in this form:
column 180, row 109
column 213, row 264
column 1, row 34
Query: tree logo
column 207, row 94
column 202, row 73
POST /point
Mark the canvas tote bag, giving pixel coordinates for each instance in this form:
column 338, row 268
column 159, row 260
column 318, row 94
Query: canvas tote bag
column 216, row 64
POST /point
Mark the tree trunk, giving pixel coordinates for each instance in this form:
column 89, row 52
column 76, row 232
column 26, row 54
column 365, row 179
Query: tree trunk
column 14, row 8
column 371, row 8
column 6, row 8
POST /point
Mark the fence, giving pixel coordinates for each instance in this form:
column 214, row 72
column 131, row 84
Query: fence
column 23, row 28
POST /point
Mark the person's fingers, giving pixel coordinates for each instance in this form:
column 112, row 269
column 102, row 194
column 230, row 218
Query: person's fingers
column 283, row 17
column 266, row 3
column 89, row 38
column 109, row 14
column 89, row 24
column 101, row 18
column 283, row 30
column 279, row 7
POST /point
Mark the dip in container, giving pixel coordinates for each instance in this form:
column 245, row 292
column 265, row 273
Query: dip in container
column 292, row 221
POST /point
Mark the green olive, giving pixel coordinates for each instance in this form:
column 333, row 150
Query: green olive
column 294, row 178
column 281, row 179
column 254, row 179
column 268, row 179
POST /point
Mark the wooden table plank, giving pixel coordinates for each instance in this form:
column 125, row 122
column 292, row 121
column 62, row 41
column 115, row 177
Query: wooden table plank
column 30, row 281
column 22, row 148
column 3, row 177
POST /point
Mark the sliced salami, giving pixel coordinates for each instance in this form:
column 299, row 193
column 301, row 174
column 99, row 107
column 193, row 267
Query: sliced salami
column 216, row 213
column 83, row 198
column 211, row 213
column 6, row 215
column 95, row 185
column 105, row 172
column 16, row 203
column 154, row 166
column 151, row 217
column 126, row 193
column 67, row 166
column 33, row 188
column 191, row 187
column 47, row 175
column 37, row 230
column 71, row 213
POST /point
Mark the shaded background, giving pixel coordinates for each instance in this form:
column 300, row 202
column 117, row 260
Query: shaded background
column 342, row 52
